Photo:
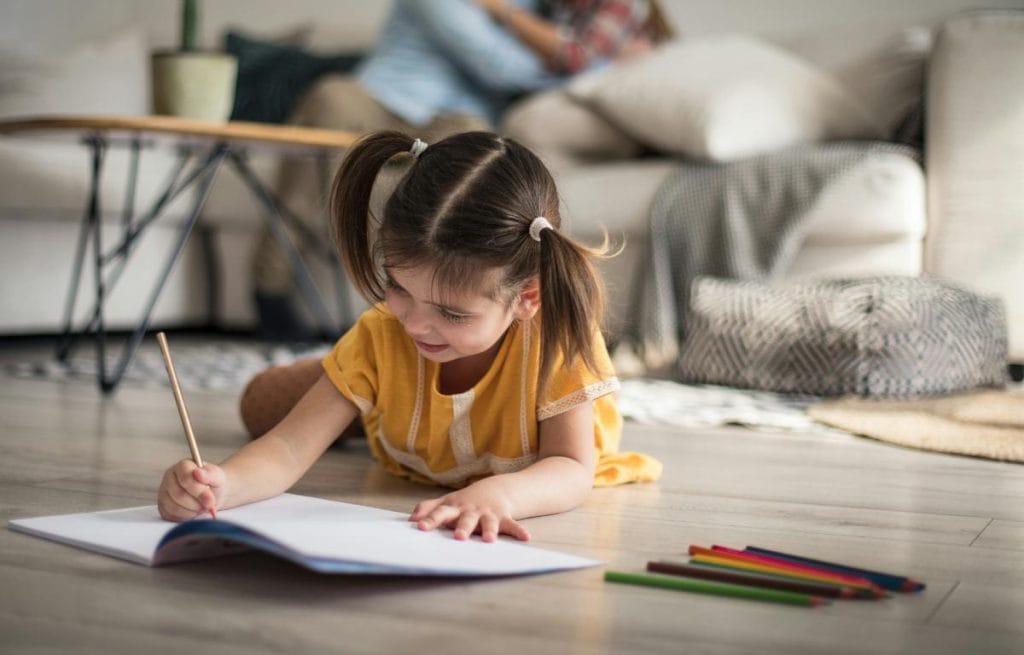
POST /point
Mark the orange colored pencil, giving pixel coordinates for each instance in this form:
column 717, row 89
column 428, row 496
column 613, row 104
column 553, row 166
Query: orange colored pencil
column 732, row 576
column 767, row 560
column 735, row 563
column 749, row 558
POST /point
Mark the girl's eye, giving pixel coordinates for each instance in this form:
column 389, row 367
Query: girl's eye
column 451, row 317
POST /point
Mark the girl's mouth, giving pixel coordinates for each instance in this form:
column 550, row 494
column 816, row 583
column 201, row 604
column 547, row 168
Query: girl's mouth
column 431, row 348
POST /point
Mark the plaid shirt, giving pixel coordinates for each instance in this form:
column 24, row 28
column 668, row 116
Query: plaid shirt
column 594, row 30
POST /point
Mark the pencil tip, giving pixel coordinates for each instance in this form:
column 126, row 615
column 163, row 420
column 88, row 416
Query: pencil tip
column 911, row 585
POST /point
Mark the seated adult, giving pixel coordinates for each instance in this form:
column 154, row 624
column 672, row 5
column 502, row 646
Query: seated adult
column 561, row 131
column 440, row 67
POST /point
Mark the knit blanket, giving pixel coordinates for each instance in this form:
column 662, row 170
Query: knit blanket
column 741, row 220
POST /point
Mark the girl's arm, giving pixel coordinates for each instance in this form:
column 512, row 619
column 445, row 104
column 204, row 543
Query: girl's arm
column 557, row 482
column 264, row 467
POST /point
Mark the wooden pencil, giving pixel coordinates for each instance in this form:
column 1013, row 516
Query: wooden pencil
column 824, row 590
column 179, row 400
column 888, row 581
column 716, row 588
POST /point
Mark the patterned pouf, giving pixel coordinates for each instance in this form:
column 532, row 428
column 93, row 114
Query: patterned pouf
column 882, row 337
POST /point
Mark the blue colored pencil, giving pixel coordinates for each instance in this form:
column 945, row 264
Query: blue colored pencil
column 884, row 580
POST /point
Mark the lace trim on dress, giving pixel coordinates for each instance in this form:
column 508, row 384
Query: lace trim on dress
column 577, row 398
column 483, row 465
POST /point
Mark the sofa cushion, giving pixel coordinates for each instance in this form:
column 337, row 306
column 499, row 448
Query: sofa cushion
column 49, row 176
column 272, row 76
column 723, row 98
column 975, row 159
column 108, row 77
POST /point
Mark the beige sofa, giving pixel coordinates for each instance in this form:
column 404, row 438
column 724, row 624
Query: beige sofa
column 961, row 220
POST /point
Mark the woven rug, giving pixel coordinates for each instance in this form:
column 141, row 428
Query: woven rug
column 229, row 365
column 985, row 423
column 219, row 366
column 663, row 402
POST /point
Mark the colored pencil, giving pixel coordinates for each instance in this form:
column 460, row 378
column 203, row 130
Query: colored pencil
column 736, row 563
column 722, row 551
column 179, row 400
column 885, row 580
column 716, row 588
column 759, row 580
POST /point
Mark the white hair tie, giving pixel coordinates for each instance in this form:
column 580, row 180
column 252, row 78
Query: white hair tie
column 418, row 146
column 538, row 225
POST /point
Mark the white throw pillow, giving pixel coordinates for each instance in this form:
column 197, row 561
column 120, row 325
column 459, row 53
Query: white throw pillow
column 723, row 98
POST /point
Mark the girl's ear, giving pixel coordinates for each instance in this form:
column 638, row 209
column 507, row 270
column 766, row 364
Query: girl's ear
column 528, row 301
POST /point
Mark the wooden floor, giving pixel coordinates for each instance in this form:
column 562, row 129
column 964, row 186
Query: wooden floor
column 955, row 523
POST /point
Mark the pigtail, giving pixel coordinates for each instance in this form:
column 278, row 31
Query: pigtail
column 351, row 217
column 572, row 301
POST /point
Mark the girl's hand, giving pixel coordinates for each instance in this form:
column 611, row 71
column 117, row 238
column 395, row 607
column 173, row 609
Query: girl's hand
column 479, row 508
column 187, row 491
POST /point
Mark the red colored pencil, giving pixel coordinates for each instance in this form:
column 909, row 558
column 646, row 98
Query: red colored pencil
column 757, row 580
column 885, row 580
column 729, row 553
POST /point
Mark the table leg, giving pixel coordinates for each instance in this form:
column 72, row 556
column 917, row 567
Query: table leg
column 129, row 233
column 109, row 380
column 275, row 221
column 90, row 219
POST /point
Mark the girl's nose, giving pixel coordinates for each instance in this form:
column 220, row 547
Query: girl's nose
column 416, row 320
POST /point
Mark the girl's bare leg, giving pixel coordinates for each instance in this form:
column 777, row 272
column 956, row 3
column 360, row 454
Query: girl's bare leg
column 272, row 393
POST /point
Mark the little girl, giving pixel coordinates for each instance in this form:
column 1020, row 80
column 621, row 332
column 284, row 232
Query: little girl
column 483, row 369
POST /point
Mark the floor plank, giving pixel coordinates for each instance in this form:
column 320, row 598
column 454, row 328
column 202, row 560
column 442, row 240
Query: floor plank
column 955, row 523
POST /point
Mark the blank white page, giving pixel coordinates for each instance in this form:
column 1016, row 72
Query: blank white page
column 325, row 535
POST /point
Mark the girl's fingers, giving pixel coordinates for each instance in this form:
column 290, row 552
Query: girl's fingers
column 187, row 482
column 466, row 525
column 210, row 475
column 173, row 502
column 423, row 508
column 440, row 515
column 489, row 526
column 512, row 528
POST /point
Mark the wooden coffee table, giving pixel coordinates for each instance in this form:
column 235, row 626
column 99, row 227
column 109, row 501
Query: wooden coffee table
column 203, row 148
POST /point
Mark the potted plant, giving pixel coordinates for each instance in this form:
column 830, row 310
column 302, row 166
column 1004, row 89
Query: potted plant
column 190, row 82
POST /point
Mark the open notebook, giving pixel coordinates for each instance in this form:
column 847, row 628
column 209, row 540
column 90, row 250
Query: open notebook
column 322, row 535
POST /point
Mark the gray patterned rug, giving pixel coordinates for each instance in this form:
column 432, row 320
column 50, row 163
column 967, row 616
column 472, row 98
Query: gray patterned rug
column 202, row 365
column 228, row 365
column 663, row 402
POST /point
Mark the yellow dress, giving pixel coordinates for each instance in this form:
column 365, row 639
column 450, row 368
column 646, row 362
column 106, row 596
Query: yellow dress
column 454, row 439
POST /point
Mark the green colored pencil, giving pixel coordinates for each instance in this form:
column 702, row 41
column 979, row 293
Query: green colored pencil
column 718, row 588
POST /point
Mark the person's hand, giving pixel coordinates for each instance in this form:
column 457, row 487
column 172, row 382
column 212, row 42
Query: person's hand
column 494, row 7
column 634, row 48
column 479, row 508
column 187, row 491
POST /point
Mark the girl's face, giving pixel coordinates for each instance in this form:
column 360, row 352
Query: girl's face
column 456, row 325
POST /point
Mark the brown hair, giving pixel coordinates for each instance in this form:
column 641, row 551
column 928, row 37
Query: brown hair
column 463, row 207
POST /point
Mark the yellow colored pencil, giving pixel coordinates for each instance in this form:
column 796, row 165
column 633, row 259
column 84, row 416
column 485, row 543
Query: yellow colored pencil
column 761, row 568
